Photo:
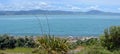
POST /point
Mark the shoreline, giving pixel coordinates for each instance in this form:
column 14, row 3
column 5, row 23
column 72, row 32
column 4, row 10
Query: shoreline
column 65, row 36
column 68, row 38
column 56, row 35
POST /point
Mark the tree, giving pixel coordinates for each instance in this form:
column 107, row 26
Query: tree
column 7, row 41
column 20, row 42
column 111, row 38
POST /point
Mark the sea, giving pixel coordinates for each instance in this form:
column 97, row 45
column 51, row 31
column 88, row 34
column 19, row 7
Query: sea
column 57, row 25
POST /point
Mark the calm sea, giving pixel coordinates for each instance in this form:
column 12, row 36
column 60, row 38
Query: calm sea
column 60, row 25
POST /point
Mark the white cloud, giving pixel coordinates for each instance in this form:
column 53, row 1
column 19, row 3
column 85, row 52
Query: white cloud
column 25, row 6
column 67, row 5
column 44, row 3
column 72, row 8
column 93, row 8
column 36, row 5
column 75, row 8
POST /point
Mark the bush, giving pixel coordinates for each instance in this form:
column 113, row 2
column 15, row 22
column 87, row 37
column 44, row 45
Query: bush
column 52, row 45
column 94, row 50
column 116, row 52
column 111, row 38
column 92, row 41
column 11, row 42
column 88, row 42
column 7, row 42
column 25, row 42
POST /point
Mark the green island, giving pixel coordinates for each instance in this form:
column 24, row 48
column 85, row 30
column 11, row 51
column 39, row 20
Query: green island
column 106, row 43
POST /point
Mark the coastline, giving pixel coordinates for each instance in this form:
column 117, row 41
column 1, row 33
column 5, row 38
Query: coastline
column 68, row 38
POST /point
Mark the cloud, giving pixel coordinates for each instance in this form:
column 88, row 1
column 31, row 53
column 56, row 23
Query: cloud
column 25, row 6
column 75, row 8
column 44, row 3
column 93, row 7
column 73, row 5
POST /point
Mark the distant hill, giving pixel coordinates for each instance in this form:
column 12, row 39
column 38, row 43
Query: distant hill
column 34, row 12
column 97, row 12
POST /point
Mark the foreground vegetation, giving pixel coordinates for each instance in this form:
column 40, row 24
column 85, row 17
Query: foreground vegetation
column 108, row 43
column 18, row 50
column 10, row 42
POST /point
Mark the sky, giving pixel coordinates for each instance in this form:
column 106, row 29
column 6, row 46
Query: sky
column 65, row 5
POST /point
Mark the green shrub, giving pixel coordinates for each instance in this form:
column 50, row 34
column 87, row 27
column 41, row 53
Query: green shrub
column 7, row 42
column 116, row 52
column 10, row 42
column 25, row 42
column 52, row 45
column 92, row 41
column 94, row 50
column 111, row 38
column 88, row 42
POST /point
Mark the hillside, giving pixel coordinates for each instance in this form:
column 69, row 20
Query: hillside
column 33, row 12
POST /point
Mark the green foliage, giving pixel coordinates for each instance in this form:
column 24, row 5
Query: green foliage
column 17, row 50
column 7, row 41
column 25, row 42
column 111, row 38
column 116, row 52
column 52, row 45
column 92, row 41
column 85, row 43
column 88, row 42
column 73, row 45
column 94, row 50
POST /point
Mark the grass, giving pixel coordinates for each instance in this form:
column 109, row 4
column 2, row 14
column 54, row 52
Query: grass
column 52, row 45
column 94, row 50
column 17, row 51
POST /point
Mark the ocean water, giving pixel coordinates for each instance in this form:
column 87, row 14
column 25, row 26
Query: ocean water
column 60, row 25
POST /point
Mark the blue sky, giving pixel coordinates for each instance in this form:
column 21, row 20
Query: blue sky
column 67, row 5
